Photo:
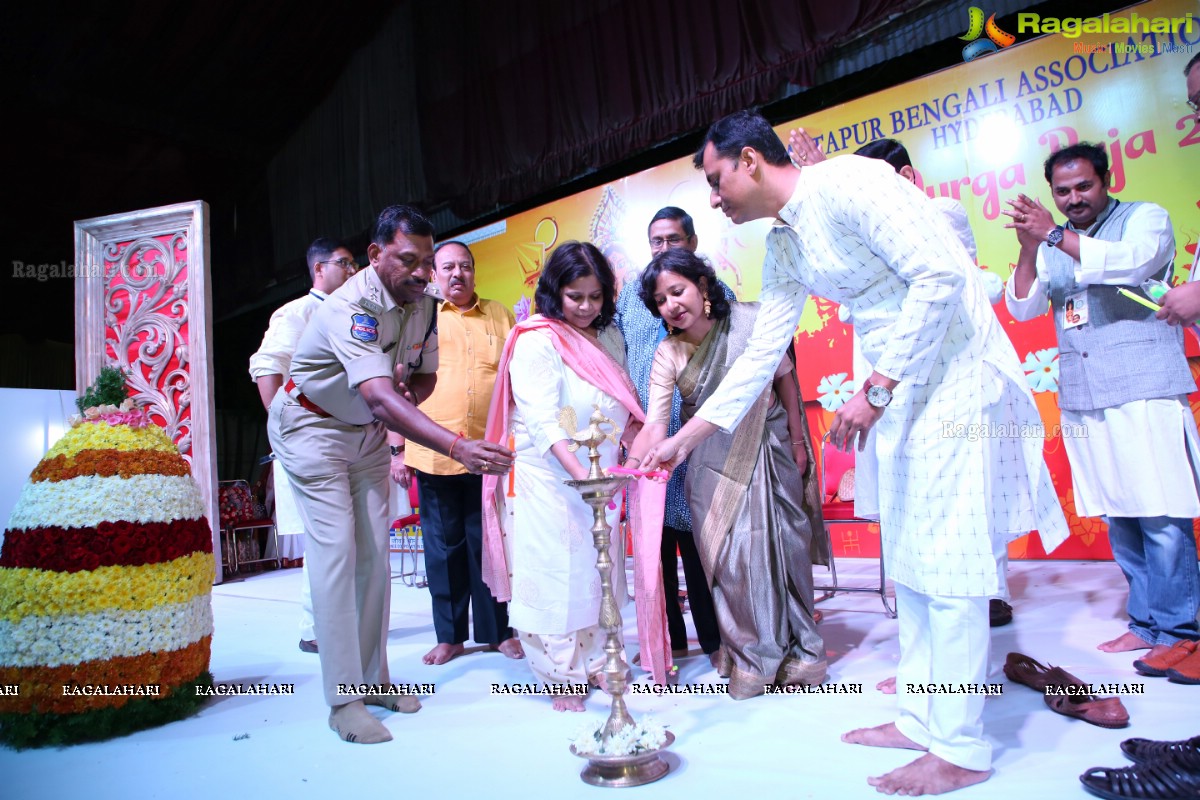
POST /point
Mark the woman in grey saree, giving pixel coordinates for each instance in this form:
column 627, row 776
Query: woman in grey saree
column 756, row 519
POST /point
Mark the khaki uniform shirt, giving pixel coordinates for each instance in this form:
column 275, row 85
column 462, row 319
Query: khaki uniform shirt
column 470, row 343
column 357, row 334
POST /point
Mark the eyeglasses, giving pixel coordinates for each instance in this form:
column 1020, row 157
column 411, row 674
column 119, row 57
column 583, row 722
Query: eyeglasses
column 670, row 241
column 1194, row 102
column 345, row 263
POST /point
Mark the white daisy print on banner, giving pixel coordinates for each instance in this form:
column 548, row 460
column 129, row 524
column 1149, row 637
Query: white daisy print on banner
column 834, row 390
column 1041, row 370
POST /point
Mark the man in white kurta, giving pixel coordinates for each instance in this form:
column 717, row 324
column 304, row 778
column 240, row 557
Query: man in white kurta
column 951, row 493
column 1181, row 306
column 330, row 264
column 1128, row 430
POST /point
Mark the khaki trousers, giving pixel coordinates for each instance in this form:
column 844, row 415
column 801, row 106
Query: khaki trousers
column 340, row 476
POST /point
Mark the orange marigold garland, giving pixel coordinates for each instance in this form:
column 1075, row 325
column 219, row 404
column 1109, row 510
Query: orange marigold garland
column 74, row 680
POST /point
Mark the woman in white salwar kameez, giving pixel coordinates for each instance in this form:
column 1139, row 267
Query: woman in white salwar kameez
column 548, row 544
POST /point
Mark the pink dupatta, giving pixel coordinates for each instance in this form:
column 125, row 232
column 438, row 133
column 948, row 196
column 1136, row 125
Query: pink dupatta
column 646, row 498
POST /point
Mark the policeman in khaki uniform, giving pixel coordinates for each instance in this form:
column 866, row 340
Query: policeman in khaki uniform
column 368, row 355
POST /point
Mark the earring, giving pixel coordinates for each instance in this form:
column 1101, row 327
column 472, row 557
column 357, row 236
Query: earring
column 707, row 308
column 670, row 330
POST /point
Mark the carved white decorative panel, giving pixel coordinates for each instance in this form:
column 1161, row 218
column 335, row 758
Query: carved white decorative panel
column 143, row 305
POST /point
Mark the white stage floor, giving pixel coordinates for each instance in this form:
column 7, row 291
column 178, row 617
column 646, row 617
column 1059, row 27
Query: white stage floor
column 467, row 742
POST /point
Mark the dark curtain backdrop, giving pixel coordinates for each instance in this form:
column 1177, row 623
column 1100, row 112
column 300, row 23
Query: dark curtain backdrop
column 478, row 105
column 534, row 94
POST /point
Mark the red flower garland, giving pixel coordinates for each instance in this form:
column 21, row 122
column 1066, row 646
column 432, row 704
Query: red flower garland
column 126, row 544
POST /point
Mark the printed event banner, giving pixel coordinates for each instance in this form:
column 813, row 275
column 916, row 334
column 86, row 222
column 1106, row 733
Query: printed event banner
column 977, row 132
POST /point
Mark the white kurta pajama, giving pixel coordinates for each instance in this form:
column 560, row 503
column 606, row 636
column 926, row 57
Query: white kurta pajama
column 555, row 587
column 857, row 233
column 866, row 496
column 1156, row 435
column 1132, row 452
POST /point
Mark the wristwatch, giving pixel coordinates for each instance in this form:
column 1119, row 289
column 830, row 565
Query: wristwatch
column 1055, row 237
column 396, row 449
column 877, row 395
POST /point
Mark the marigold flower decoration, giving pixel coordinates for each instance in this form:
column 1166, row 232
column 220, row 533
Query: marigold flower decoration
column 105, row 583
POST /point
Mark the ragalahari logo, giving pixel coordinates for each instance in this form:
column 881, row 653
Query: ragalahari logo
column 996, row 38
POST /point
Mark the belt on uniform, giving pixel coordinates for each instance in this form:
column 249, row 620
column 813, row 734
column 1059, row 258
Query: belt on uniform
column 303, row 400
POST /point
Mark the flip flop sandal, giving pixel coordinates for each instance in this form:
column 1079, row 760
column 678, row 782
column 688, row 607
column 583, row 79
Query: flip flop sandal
column 1168, row 779
column 1142, row 750
column 1105, row 712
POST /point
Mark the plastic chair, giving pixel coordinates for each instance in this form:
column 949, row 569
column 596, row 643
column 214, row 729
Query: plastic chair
column 406, row 540
column 835, row 464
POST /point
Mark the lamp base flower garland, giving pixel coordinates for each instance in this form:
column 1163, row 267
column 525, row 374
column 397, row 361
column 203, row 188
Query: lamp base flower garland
column 105, row 587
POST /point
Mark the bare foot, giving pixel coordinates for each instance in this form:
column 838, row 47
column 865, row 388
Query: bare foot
column 887, row 685
column 928, row 775
column 511, row 648
column 355, row 724
column 568, row 703
column 443, row 653
column 881, row 736
column 1124, row 643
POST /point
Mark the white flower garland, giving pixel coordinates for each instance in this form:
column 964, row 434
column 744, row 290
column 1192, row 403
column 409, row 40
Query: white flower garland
column 88, row 500
column 75, row 638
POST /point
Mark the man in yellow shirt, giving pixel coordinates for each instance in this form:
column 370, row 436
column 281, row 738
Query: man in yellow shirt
column 471, row 334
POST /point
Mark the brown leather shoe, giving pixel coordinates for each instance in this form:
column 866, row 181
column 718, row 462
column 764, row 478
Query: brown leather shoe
column 1156, row 665
column 1187, row 670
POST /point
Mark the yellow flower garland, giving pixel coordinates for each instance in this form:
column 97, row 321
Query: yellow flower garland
column 30, row 592
column 102, row 436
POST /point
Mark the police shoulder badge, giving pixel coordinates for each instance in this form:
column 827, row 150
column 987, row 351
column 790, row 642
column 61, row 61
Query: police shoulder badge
column 364, row 327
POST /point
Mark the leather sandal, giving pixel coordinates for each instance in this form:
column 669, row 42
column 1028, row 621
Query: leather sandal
column 1166, row 779
column 1157, row 666
column 1022, row 669
column 1107, row 712
column 1142, row 750
column 1067, row 695
column 1000, row 613
column 1186, row 671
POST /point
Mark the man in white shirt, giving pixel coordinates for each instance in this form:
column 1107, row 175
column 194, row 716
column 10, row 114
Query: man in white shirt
column 1128, row 430
column 852, row 230
column 1181, row 306
column 330, row 264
